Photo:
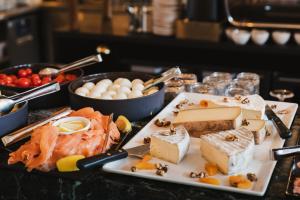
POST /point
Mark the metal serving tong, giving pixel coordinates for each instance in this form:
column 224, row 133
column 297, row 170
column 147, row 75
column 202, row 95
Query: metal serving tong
column 280, row 153
column 26, row 131
column 167, row 75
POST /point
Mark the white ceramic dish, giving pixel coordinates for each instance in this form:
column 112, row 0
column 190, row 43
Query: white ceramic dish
column 281, row 37
column 69, row 119
column 259, row 37
column 193, row 161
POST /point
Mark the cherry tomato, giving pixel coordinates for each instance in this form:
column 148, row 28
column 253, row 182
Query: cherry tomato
column 11, row 85
column 60, row 78
column 14, row 77
column 23, row 82
column 28, row 71
column 36, row 81
column 35, row 76
column 46, row 80
column 2, row 76
column 70, row 77
column 22, row 73
column 2, row 82
column 8, row 80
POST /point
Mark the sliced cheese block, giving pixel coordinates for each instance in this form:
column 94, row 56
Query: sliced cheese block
column 253, row 106
column 172, row 147
column 231, row 157
column 258, row 128
column 207, row 120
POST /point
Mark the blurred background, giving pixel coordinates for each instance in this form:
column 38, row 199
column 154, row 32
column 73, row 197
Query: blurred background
column 234, row 36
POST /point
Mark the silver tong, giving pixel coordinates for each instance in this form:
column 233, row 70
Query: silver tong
column 280, row 153
column 26, row 131
column 167, row 75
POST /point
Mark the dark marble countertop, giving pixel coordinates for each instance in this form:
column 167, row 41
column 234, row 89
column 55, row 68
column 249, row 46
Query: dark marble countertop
column 16, row 183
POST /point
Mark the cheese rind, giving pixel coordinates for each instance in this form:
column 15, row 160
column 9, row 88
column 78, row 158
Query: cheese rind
column 258, row 128
column 230, row 156
column 170, row 148
column 208, row 120
column 253, row 106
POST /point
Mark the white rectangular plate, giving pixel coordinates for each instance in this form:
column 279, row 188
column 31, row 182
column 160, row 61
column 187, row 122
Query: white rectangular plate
column 193, row 162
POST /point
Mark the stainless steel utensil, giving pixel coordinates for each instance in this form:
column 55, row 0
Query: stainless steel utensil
column 280, row 153
column 283, row 131
column 74, row 65
column 7, row 104
column 26, row 131
column 167, row 75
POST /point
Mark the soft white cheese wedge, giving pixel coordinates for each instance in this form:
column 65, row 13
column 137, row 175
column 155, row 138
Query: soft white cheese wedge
column 207, row 120
column 170, row 147
column 231, row 157
column 253, row 106
column 258, row 128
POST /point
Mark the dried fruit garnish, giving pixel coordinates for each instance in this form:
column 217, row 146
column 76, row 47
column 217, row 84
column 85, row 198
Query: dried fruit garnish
column 162, row 123
column 198, row 175
column 251, row 177
column 160, row 172
column 274, row 106
column 147, row 140
column 203, row 103
column 237, row 97
column 231, row 138
column 245, row 122
column 225, row 99
column 245, row 101
column 133, row 169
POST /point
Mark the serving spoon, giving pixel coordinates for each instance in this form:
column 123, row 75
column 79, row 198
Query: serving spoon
column 7, row 104
column 49, row 71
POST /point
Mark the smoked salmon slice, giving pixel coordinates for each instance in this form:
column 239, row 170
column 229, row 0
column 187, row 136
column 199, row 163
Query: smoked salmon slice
column 46, row 145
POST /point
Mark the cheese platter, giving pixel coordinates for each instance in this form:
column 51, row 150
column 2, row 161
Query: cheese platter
column 247, row 145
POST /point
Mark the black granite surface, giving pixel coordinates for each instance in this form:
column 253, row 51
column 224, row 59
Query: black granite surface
column 16, row 183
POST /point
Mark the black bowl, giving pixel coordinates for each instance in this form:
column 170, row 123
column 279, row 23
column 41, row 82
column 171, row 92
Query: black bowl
column 52, row 100
column 134, row 109
column 13, row 120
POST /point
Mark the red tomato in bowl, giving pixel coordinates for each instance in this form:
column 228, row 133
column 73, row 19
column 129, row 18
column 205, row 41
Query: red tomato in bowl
column 2, row 76
column 22, row 73
column 46, row 79
column 8, row 80
column 23, row 82
column 28, row 71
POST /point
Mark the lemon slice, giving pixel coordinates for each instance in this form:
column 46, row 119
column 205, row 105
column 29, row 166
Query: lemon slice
column 68, row 164
column 123, row 124
column 71, row 126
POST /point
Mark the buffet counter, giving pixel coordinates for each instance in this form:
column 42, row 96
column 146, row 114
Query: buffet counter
column 96, row 184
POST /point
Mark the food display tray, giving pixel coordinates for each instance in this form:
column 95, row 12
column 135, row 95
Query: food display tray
column 261, row 165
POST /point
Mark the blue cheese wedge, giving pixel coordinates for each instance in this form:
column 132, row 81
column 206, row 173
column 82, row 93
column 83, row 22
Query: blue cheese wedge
column 170, row 146
column 208, row 120
column 230, row 150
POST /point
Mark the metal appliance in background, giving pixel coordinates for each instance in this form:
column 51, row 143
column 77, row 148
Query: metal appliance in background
column 277, row 14
column 22, row 40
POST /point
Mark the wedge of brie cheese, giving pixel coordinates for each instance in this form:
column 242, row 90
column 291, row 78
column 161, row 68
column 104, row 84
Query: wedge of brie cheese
column 170, row 146
column 258, row 128
column 207, row 120
column 253, row 106
column 230, row 150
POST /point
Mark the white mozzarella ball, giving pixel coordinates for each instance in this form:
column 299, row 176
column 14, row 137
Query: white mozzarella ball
column 106, row 96
column 120, row 96
column 110, row 92
column 99, row 89
column 94, row 95
column 135, row 81
column 82, row 90
column 106, row 81
column 124, row 89
column 118, row 81
column 138, row 86
column 102, row 85
column 81, row 94
column 89, row 85
column 125, row 82
column 135, row 94
column 114, row 87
